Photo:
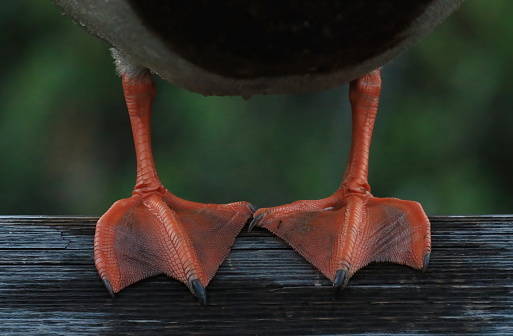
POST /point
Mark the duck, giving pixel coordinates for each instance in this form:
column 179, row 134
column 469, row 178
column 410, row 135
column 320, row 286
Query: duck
column 246, row 48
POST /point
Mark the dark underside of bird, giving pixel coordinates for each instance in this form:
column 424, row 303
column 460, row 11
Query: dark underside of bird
column 246, row 48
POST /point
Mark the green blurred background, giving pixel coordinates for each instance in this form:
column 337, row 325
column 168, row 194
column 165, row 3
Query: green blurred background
column 442, row 136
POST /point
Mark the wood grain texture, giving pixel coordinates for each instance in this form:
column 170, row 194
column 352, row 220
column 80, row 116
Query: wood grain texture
column 49, row 285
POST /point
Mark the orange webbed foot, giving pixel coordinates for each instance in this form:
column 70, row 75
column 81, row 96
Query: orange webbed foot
column 350, row 229
column 343, row 233
column 155, row 232
column 160, row 233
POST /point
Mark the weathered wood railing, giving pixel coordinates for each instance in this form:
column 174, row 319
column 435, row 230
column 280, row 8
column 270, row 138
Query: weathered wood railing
column 49, row 285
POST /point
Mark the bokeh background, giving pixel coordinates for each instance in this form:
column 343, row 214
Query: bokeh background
column 443, row 134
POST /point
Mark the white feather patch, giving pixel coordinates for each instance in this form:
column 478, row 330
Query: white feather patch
column 124, row 66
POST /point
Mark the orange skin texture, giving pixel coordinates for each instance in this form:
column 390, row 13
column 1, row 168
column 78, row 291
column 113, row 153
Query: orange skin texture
column 154, row 231
column 351, row 228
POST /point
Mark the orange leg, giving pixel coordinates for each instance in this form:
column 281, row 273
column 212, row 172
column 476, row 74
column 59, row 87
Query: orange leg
column 350, row 229
column 155, row 232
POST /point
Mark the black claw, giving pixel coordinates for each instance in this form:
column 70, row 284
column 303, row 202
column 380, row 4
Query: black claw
column 252, row 207
column 199, row 291
column 107, row 285
column 426, row 262
column 255, row 222
column 340, row 279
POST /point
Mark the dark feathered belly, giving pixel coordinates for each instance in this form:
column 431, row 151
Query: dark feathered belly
column 261, row 38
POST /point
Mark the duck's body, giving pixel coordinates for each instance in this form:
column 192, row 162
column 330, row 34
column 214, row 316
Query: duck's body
column 259, row 47
column 245, row 48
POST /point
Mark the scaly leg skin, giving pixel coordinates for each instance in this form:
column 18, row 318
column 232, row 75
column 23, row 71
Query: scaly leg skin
column 350, row 229
column 155, row 232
